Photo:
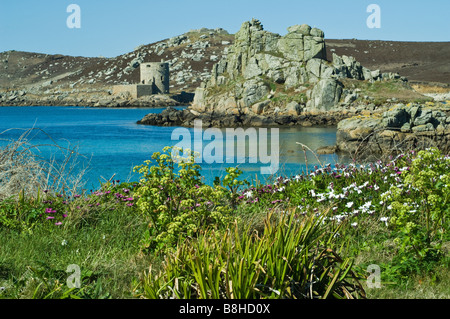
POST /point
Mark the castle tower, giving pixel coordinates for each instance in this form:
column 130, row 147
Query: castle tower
column 157, row 75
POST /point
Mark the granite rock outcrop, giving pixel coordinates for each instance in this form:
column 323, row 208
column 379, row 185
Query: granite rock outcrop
column 404, row 127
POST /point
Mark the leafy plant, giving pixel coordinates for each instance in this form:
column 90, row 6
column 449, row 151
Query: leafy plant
column 292, row 258
column 176, row 200
column 231, row 182
column 420, row 212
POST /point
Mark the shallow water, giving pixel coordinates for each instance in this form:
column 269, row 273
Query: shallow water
column 113, row 143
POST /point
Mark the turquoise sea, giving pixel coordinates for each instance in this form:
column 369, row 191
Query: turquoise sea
column 110, row 143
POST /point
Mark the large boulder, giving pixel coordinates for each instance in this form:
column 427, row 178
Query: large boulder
column 291, row 45
column 259, row 108
column 293, row 108
column 325, row 95
column 395, row 118
column 314, row 48
column 254, row 91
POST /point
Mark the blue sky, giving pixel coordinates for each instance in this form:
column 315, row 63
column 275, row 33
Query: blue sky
column 113, row 27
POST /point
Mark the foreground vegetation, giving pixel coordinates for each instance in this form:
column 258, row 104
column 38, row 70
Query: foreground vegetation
column 314, row 235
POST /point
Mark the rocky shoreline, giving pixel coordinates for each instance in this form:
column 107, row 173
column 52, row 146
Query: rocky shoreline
column 98, row 98
column 396, row 129
column 403, row 127
column 186, row 117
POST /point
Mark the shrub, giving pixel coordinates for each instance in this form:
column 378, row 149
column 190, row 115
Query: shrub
column 34, row 188
column 176, row 200
column 24, row 170
column 420, row 209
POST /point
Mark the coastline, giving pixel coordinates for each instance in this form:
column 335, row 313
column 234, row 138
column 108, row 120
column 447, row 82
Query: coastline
column 186, row 118
column 164, row 101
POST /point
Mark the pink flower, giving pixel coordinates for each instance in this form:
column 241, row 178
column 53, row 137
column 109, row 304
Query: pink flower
column 130, row 204
column 50, row 217
column 58, row 223
column 65, row 215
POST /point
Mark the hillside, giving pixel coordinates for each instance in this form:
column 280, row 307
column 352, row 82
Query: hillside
column 26, row 76
column 418, row 61
column 190, row 57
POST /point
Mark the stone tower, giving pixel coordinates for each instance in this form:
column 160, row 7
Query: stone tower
column 157, row 75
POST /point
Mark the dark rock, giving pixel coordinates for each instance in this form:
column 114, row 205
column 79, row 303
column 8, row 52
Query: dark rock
column 283, row 119
column 424, row 118
column 396, row 118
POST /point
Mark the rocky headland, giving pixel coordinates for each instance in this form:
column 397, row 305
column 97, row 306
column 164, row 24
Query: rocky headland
column 270, row 80
column 266, row 79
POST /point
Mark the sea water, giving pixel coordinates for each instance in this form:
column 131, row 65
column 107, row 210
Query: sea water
column 109, row 143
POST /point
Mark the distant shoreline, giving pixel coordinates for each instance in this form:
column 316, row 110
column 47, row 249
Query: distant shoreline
column 16, row 98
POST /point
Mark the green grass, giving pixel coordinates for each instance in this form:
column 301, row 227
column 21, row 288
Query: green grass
column 225, row 88
column 382, row 91
column 284, row 99
column 377, row 246
column 277, row 230
column 107, row 252
column 273, row 53
column 283, row 96
column 431, row 285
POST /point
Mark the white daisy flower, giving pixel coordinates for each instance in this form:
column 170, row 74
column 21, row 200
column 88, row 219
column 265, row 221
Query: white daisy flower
column 385, row 220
